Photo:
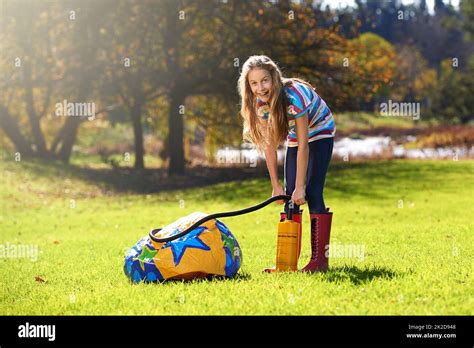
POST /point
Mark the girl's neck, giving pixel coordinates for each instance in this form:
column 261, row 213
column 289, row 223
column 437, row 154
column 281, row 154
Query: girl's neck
column 261, row 101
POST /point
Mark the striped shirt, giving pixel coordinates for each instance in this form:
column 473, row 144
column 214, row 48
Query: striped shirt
column 303, row 99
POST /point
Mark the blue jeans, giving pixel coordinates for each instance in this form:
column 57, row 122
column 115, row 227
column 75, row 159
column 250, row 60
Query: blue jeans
column 320, row 152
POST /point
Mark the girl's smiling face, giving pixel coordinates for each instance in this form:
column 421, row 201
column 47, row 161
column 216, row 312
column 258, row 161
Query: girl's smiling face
column 260, row 82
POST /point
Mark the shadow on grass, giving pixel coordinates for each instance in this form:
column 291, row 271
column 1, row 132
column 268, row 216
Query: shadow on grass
column 372, row 179
column 143, row 181
column 380, row 178
column 358, row 276
column 240, row 276
column 352, row 274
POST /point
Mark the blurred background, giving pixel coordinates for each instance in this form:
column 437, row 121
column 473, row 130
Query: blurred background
column 149, row 87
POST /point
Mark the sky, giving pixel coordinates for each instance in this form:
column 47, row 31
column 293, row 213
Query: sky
column 429, row 3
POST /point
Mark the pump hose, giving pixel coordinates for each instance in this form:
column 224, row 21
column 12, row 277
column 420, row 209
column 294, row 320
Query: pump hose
column 217, row 215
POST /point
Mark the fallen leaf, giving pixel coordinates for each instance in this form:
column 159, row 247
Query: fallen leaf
column 40, row 280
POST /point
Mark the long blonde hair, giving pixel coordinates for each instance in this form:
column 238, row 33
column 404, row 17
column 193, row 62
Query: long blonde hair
column 262, row 133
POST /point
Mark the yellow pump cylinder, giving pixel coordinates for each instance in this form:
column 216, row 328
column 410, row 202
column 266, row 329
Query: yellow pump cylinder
column 287, row 246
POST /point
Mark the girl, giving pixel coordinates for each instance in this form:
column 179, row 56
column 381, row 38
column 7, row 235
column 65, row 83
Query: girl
column 275, row 109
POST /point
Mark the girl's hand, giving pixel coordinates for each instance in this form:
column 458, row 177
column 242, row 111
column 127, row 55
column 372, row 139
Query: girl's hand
column 298, row 196
column 277, row 191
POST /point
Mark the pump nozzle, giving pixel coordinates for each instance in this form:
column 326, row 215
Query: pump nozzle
column 291, row 207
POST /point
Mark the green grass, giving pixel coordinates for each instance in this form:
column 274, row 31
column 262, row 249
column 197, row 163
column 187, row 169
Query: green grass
column 417, row 258
column 348, row 123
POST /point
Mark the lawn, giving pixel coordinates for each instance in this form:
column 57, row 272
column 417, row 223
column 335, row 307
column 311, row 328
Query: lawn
column 411, row 219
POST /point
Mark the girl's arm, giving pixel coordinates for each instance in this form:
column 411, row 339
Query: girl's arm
column 272, row 165
column 302, row 159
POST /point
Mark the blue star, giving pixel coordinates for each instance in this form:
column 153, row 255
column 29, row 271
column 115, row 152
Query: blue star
column 191, row 240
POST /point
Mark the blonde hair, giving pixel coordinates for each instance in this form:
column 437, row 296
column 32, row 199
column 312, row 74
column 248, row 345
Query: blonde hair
column 259, row 132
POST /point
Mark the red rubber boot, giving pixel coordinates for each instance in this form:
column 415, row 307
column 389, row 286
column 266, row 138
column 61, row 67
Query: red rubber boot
column 320, row 232
column 297, row 217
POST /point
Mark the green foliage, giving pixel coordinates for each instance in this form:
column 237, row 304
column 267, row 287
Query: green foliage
column 352, row 123
column 453, row 102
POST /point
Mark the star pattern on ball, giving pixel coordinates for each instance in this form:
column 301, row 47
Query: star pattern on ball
column 190, row 240
column 146, row 256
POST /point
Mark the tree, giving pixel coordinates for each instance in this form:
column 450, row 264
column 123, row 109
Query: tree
column 43, row 66
column 467, row 11
column 414, row 80
column 452, row 101
column 198, row 48
column 134, row 74
column 372, row 72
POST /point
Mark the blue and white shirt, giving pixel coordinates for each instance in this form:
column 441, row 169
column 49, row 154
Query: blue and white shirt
column 303, row 99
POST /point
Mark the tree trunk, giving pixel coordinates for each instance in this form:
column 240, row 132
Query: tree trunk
column 10, row 127
column 175, row 136
column 69, row 133
column 33, row 117
column 136, row 114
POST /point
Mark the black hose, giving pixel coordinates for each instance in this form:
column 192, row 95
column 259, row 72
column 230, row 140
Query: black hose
column 216, row 215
